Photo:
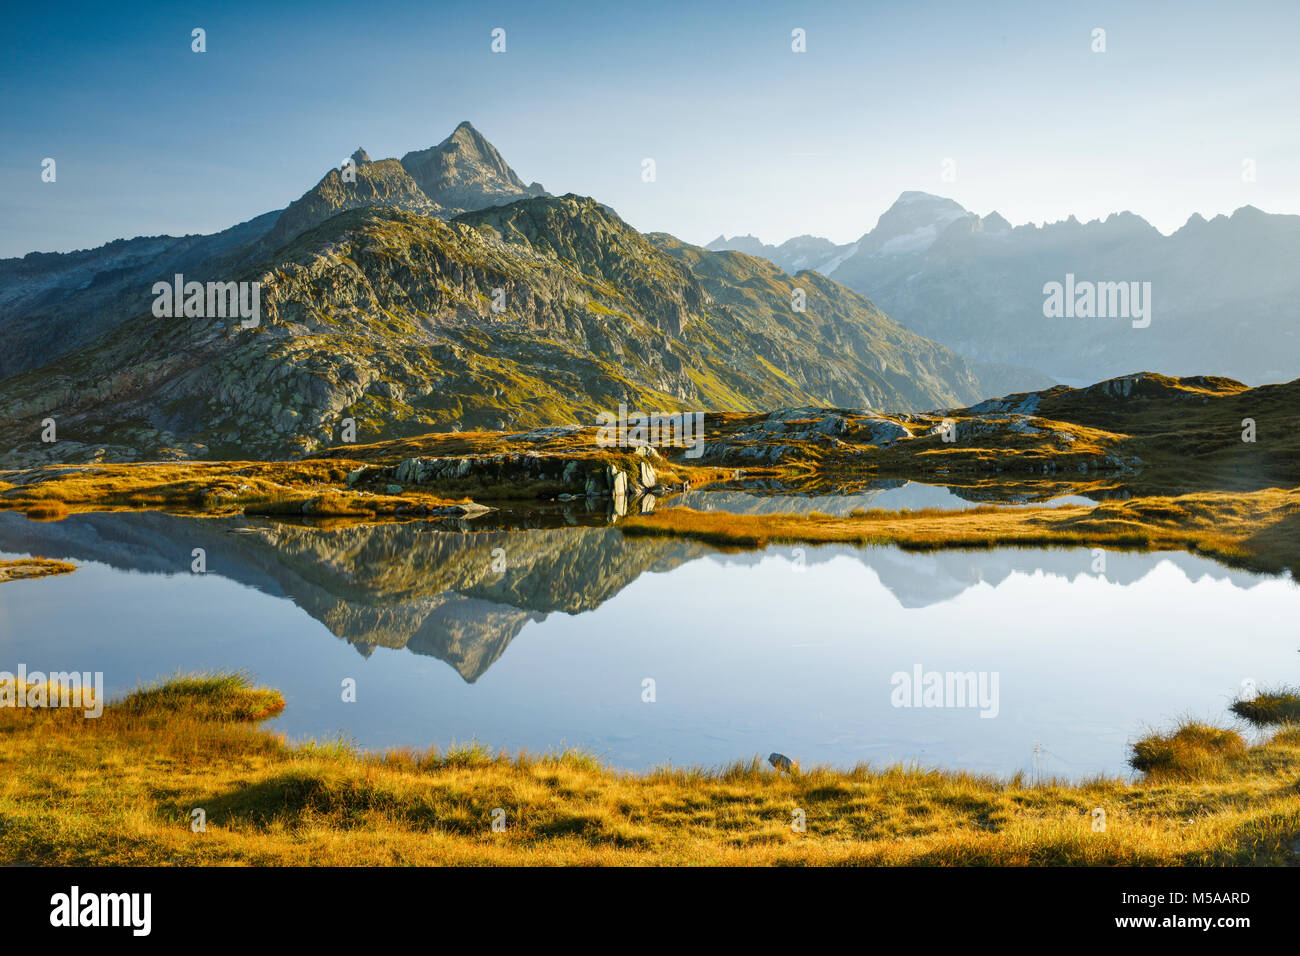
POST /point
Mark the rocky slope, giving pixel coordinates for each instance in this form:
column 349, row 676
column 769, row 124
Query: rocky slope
column 465, row 172
column 385, row 183
column 387, row 317
column 53, row 303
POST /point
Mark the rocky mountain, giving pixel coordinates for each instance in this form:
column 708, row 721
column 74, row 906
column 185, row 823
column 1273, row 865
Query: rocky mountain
column 403, row 296
column 53, row 303
column 540, row 312
column 462, row 173
column 465, row 172
column 385, row 183
column 1223, row 291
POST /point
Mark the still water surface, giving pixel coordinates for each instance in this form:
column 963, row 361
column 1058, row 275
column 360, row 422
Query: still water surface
column 544, row 638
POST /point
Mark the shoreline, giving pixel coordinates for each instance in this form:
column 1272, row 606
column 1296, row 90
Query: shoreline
column 269, row 802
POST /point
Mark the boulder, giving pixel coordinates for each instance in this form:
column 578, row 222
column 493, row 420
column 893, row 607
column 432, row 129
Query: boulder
column 408, row 470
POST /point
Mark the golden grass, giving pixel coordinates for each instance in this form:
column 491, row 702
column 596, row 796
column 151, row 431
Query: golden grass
column 312, row 486
column 262, row 488
column 1192, row 751
column 26, row 568
column 1270, row 706
column 122, row 789
column 1258, row 529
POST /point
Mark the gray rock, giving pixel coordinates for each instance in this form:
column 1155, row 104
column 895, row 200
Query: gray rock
column 780, row 762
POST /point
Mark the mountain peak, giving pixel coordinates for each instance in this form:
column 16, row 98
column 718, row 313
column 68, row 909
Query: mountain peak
column 465, row 135
column 384, row 183
column 996, row 222
column 915, row 195
column 912, row 223
column 465, row 172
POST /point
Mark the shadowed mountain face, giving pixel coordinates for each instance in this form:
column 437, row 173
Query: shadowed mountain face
column 53, row 303
column 463, row 596
column 391, row 318
column 1223, row 291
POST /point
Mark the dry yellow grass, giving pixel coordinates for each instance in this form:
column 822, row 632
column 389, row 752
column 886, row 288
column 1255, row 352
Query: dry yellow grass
column 122, row 790
column 290, row 488
column 1258, row 529
column 25, row 568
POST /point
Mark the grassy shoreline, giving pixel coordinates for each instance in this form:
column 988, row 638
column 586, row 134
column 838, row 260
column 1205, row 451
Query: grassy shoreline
column 1257, row 530
column 121, row 790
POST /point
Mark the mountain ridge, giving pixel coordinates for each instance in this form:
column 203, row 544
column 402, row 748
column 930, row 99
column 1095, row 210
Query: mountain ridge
column 52, row 303
column 387, row 317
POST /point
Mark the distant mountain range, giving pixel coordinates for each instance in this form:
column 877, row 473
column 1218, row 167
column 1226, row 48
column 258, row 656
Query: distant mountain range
column 432, row 292
column 1224, row 291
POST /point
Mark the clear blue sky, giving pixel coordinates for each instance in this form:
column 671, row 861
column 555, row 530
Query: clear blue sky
column 747, row 136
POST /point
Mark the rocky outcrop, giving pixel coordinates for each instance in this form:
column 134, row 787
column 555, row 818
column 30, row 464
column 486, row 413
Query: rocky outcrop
column 465, row 172
column 571, row 478
column 384, row 183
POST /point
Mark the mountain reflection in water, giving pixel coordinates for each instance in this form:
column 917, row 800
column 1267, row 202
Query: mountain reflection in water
column 462, row 595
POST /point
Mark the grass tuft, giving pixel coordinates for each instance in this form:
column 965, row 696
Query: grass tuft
column 1193, row 751
column 205, row 696
column 1279, row 705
